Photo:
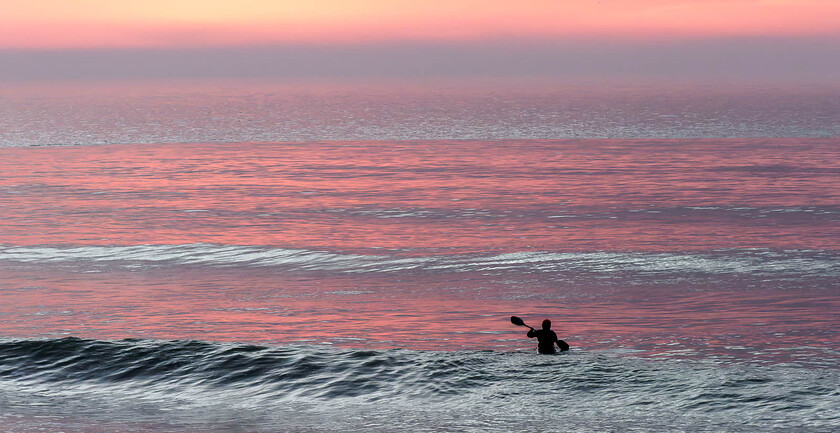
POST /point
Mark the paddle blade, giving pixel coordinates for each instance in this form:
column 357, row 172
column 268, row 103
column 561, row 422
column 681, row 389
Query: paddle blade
column 562, row 345
column 516, row 321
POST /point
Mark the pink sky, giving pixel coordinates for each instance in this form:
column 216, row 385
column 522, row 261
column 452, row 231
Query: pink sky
column 715, row 39
column 59, row 24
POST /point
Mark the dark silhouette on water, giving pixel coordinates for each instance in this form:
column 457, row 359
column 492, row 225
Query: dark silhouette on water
column 545, row 336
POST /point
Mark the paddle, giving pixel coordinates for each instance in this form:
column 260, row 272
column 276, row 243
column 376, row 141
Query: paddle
column 518, row 322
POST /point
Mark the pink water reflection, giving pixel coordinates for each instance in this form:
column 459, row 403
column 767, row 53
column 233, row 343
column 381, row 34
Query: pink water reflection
column 513, row 195
column 423, row 198
column 261, row 307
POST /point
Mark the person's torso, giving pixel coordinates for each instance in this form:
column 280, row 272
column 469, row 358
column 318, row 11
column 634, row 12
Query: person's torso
column 546, row 337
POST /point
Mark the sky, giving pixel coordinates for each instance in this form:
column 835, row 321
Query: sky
column 97, row 39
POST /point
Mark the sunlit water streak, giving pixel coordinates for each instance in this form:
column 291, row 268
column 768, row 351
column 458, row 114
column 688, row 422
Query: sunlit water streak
column 83, row 114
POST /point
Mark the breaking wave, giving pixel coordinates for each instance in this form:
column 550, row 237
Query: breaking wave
column 820, row 263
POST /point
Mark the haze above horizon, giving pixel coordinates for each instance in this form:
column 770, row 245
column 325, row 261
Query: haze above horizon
column 96, row 39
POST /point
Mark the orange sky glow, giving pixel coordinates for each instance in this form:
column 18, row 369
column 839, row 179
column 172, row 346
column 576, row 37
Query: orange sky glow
column 61, row 24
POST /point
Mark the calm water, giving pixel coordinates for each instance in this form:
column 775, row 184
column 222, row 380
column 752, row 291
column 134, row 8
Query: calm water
column 330, row 258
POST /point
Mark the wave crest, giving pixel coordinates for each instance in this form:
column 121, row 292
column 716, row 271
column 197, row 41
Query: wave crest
column 822, row 263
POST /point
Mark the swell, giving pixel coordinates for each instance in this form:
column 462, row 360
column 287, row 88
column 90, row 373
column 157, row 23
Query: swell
column 207, row 374
column 767, row 262
column 259, row 371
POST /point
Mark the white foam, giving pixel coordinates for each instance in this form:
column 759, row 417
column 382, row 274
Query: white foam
column 756, row 262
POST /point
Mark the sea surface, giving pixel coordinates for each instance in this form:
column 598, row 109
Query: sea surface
column 318, row 257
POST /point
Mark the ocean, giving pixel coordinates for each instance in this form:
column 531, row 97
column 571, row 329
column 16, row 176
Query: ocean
column 317, row 257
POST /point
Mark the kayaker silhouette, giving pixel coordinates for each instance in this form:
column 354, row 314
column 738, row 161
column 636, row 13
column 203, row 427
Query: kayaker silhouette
column 545, row 336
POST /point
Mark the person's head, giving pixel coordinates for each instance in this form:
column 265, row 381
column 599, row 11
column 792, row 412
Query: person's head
column 546, row 324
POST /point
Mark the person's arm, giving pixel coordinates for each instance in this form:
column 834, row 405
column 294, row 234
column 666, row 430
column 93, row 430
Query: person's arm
column 532, row 333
